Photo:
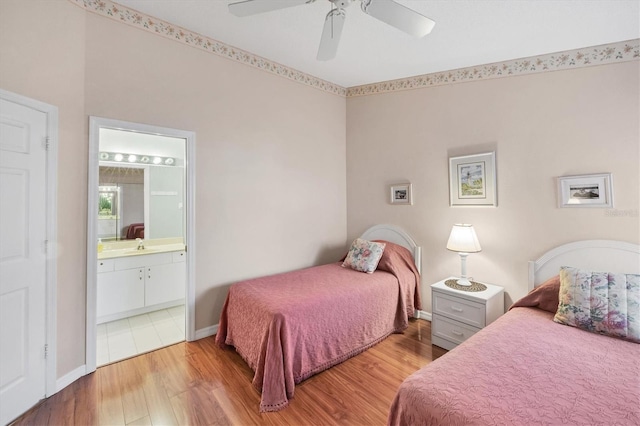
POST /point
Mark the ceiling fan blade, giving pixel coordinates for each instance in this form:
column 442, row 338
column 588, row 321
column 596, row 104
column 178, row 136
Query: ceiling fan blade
column 399, row 16
column 331, row 32
column 253, row 7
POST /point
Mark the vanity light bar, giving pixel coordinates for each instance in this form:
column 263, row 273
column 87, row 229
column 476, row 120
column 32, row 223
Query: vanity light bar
column 136, row 158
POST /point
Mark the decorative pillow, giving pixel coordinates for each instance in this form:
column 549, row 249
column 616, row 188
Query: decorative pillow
column 364, row 255
column 544, row 297
column 600, row 302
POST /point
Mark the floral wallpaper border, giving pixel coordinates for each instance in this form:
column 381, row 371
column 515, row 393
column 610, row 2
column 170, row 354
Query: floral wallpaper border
column 132, row 17
column 588, row 56
column 578, row 58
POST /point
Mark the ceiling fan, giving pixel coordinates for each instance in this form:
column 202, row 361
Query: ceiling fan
column 388, row 11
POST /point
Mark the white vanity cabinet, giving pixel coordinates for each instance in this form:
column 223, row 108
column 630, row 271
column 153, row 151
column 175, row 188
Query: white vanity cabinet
column 120, row 291
column 161, row 281
column 133, row 285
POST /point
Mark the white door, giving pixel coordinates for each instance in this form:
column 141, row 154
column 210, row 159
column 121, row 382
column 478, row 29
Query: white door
column 23, row 160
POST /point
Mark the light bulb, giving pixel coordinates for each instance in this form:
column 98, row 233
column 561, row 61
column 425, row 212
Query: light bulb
column 118, row 157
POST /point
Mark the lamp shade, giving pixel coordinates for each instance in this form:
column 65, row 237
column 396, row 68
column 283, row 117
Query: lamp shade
column 463, row 239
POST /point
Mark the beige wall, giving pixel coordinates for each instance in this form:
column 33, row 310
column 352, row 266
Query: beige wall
column 541, row 126
column 42, row 57
column 271, row 168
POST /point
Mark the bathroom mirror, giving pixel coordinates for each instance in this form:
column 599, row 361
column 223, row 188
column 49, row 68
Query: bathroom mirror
column 141, row 186
column 120, row 202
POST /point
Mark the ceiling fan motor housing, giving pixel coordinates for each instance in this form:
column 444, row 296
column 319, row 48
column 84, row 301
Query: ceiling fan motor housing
column 341, row 4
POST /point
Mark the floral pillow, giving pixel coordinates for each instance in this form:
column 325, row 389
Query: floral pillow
column 600, row 302
column 364, row 255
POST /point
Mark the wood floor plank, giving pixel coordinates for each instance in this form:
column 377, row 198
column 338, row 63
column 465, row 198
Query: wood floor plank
column 143, row 421
column 63, row 412
column 156, row 398
column 134, row 404
column 198, row 406
column 239, row 405
column 87, row 397
column 110, row 409
column 199, row 383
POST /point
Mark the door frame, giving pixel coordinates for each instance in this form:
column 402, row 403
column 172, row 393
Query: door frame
column 95, row 123
column 51, row 232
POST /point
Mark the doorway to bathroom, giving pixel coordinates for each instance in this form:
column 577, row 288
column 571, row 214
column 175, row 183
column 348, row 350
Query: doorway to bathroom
column 140, row 269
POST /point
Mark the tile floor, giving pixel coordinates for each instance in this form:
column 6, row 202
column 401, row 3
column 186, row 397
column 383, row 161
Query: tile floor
column 133, row 336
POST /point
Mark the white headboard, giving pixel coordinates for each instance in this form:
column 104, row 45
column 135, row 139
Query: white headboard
column 395, row 235
column 594, row 255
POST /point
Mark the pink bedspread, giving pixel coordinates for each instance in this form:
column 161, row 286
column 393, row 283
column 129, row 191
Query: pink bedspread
column 290, row 326
column 525, row 369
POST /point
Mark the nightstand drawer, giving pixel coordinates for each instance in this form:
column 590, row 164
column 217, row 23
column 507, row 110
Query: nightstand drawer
column 452, row 331
column 458, row 309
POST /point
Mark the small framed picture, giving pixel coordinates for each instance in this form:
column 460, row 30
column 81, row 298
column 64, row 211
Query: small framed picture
column 594, row 190
column 472, row 180
column 401, row 194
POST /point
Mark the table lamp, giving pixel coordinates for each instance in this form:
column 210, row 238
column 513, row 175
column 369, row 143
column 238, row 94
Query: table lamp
column 463, row 240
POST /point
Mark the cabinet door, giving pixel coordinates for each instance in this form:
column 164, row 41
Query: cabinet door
column 120, row 291
column 164, row 283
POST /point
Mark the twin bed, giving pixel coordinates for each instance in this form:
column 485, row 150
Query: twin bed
column 290, row 326
column 522, row 369
column 526, row 369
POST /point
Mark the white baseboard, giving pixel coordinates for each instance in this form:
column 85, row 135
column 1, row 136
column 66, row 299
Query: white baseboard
column 206, row 332
column 69, row 378
column 424, row 315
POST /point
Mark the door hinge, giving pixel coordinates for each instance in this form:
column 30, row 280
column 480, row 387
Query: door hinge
column 46, row 350
column 45, row 143
column 46, row 246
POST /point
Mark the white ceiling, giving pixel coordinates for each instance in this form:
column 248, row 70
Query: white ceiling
column 467, row 33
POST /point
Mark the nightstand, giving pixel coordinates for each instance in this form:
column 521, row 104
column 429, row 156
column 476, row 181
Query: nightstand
column 458, row 315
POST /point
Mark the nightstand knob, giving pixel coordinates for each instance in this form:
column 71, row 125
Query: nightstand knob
column 453, row 308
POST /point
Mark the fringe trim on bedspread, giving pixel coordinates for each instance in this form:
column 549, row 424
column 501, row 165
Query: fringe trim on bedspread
column 325, row 366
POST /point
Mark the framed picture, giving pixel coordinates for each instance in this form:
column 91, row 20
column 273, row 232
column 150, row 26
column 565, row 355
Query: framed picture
column 472, row 180
column 585, row 190
column 401, row 193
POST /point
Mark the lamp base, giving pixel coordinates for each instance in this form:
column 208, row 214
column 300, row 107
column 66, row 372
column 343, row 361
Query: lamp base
column 464, row 281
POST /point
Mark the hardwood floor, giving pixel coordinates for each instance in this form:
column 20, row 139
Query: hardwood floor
column 198, row 383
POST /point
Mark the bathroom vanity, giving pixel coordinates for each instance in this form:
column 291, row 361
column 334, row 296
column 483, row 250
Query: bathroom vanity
column 133, row 282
